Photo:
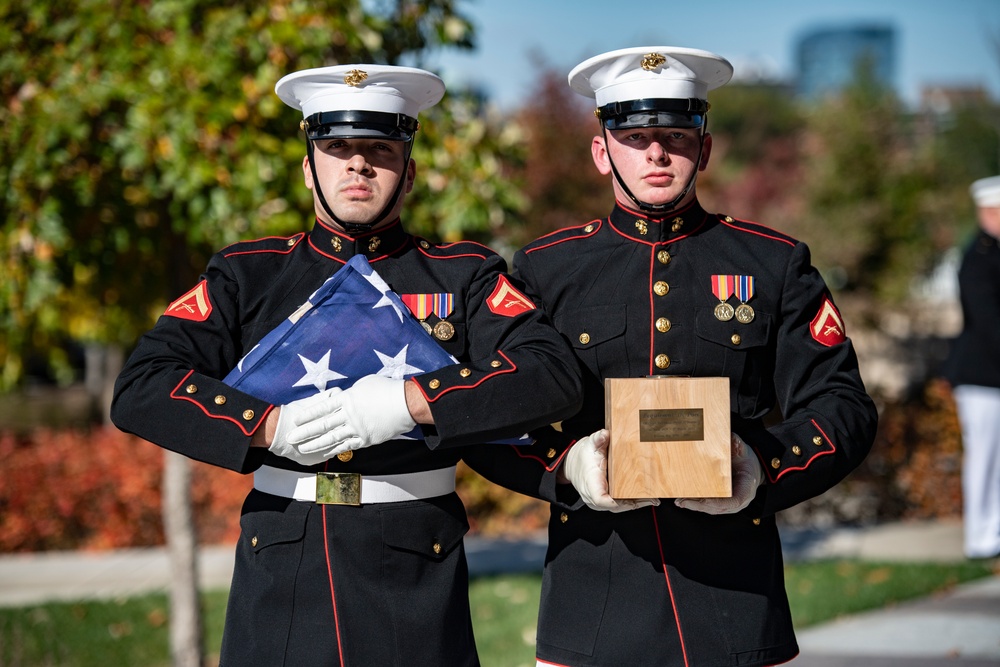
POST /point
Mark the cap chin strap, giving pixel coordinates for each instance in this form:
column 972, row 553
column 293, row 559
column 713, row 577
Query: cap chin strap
column 658, row 209
column 359, row 227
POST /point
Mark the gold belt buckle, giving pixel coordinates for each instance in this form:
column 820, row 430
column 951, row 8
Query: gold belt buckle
column 338, row 488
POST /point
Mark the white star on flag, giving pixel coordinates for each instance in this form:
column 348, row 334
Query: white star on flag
column 379, row 284
column 240, row 364
column 318, row 373
column 396, row 367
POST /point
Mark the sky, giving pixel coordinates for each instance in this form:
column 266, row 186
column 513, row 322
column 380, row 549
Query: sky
column 937, row 41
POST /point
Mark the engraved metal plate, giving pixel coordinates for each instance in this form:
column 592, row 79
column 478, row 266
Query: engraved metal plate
column 338, row 488
column 671, row 425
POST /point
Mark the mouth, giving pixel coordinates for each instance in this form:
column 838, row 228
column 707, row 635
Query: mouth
column 658, row 178
column 356, row 191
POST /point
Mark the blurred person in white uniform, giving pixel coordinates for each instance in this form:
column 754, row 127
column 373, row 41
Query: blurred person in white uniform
column 974, row 372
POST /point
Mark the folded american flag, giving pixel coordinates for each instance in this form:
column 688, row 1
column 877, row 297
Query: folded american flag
column 352, row 326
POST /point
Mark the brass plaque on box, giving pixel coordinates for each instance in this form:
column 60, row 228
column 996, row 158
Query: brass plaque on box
column 670, row 437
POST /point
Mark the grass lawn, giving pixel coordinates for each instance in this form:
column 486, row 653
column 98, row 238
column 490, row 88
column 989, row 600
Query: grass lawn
column 134, row 631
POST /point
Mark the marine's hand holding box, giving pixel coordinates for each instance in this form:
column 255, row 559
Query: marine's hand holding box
column 670, row 437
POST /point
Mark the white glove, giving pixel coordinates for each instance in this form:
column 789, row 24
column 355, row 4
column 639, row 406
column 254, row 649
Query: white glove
column 368, row 413
column 747, row 476
column 290, row 416
column 586, row 467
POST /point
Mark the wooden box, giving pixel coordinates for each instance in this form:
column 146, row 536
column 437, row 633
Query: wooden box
column 670, row 437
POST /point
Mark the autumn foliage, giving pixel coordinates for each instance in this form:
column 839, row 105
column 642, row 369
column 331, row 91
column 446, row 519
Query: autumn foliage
column 101, row 489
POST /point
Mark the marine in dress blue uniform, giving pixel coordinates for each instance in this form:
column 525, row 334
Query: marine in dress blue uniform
column 382, row 581
column 662, row 286
column 974, row 372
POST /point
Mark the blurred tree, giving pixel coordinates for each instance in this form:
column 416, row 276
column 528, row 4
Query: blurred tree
column 465, row 155
column 966, row 146
column 756, row 160
column 870, row 193
column 138, row 137
column 560, row 181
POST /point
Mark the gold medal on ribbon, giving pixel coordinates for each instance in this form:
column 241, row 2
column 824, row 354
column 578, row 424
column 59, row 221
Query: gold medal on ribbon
column 427, row 327
column 444, row 330
column 744, row 289
column 744, row 314
column 722, row 288
column 723, row 312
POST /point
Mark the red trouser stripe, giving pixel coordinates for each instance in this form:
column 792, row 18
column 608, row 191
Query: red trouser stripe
column 670, row 590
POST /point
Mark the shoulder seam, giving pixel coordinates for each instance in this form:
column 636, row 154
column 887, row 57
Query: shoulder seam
column 762, row 230
column 488, row 252
column 290, row 243
column 581, row 230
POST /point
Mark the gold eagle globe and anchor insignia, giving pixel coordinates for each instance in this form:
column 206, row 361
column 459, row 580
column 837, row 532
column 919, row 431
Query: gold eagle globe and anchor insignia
column 355, row 77
column 651, row 61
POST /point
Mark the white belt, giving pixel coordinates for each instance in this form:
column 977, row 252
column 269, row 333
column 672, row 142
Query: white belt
column 348, row 488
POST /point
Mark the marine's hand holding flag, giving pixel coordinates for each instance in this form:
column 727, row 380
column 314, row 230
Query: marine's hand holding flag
column 372, row 411
column 287, row 443
column 337, row 367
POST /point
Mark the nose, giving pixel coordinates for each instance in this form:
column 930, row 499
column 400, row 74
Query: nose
column 656, row 153
column 358, row 163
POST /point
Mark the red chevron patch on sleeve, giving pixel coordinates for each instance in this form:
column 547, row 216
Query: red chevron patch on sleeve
column 194, row 305
column 828, row 326
column 507, row 301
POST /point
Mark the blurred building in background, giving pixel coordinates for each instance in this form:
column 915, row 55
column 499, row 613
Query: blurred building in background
column 828, row 57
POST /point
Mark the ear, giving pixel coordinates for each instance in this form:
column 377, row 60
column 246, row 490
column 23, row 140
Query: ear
column 307, row 175
column 706, row 152
column 599, row 152
column 411, row 175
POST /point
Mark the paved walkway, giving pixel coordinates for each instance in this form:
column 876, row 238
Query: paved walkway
column 960, row 628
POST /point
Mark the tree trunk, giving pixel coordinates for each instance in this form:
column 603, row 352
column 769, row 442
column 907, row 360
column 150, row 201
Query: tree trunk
column 185, row 606
column 102, row 364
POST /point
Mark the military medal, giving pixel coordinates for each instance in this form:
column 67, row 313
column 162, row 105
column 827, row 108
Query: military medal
column 722, row 288
column 744, row 292
column 444, row 330
column 440, row 304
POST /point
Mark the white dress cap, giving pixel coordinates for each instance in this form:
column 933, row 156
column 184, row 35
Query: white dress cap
column 986, row 192
column 650, row 72
column 383, row 88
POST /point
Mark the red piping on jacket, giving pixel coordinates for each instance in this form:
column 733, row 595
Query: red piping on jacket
column 503, row 371
column 263, row 417
column 750, row 231
column 548, row 466
column 597, row 227
column 652, row 307
column 832, row 450
column 283, row 251
column 333, row 597
column 670, row 589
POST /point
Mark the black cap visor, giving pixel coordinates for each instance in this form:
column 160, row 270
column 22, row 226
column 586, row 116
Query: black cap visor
column 360, row 125
column 653, row 113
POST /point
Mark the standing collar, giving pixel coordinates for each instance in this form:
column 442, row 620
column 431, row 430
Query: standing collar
column 647, row 228
column 373, row 245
